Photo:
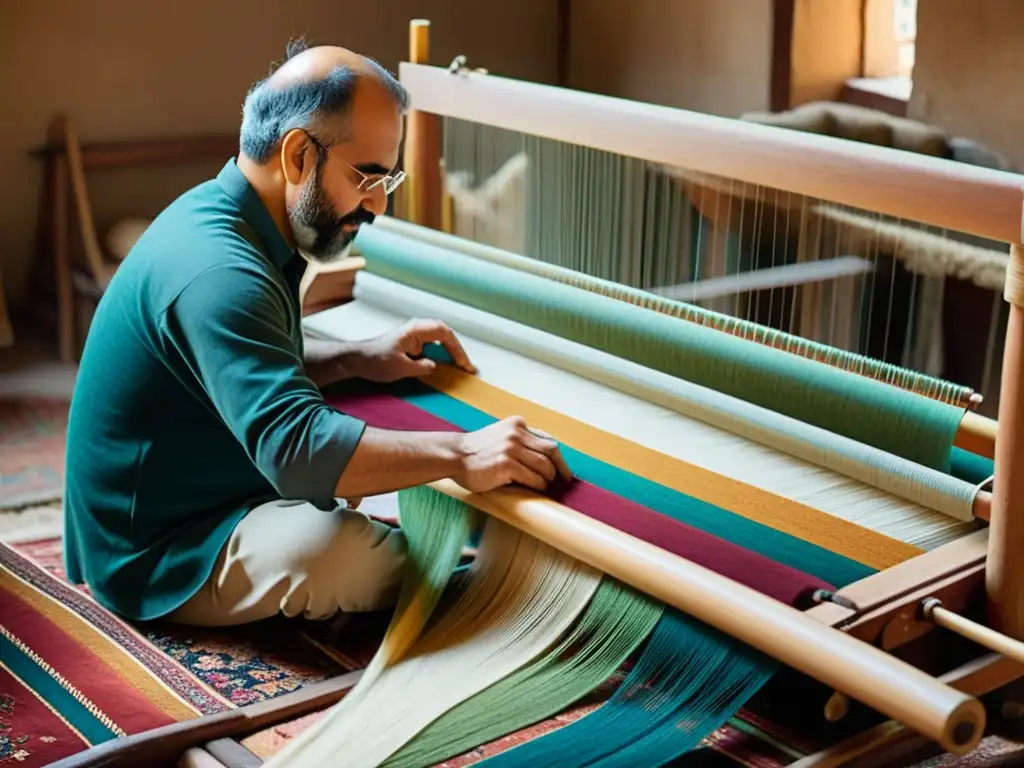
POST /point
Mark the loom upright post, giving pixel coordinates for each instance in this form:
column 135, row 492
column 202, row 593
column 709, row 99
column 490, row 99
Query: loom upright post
column 422, row 144
column 1004, row 573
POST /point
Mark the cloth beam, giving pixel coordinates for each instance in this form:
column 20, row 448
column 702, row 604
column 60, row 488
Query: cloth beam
column 806, row 544
column 785, row 583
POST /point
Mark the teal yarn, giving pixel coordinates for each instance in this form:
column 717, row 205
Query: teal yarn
column 689, row 680
column 862, row 365
column 904, row 423
column 970, row 467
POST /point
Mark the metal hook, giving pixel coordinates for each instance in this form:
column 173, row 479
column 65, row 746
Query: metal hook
column 458, row 64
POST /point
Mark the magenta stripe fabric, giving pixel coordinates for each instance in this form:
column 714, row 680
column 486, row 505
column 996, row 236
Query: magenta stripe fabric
column 386, row 411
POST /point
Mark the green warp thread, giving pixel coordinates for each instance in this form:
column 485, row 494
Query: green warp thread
column 862, row 365
column 688, row 680
column 615, row 622
column 898, row 421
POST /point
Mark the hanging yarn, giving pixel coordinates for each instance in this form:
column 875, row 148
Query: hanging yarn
column 521, row 597
column 689, row 680
column 617, row 620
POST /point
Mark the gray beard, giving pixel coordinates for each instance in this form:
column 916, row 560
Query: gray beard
column 318, row 232
column 333, row 258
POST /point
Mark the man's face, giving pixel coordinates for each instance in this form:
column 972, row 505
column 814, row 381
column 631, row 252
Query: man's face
column 337, row 192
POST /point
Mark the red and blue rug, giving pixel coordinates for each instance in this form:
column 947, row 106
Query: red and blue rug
column 73, row 675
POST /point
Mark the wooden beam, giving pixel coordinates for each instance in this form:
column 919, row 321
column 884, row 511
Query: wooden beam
column 163, row 746
column 422, row 144
column 869, row 675
column 890, row 741
column 930, row 190
column 1005, row 574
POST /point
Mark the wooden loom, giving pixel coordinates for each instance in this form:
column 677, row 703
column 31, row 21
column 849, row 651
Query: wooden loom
column 850, row 641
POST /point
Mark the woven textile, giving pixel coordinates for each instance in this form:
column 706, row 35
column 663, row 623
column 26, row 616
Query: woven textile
column 177, row 673
column 73, row 675
column 154, row 674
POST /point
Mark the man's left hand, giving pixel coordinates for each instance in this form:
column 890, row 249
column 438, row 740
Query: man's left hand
column 397, row 354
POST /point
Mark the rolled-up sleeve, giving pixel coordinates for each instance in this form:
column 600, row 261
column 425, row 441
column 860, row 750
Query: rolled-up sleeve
column 230, row 326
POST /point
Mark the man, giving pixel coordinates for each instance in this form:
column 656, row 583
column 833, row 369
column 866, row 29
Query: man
column 203, row 466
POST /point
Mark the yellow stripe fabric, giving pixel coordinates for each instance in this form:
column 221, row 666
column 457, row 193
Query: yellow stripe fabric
column 128, row 667
column 856, row 542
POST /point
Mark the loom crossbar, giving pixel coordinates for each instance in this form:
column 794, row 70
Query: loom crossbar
column 943, row 193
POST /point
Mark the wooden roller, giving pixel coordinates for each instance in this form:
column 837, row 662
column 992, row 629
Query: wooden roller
column 976, row 433
column 953, row 719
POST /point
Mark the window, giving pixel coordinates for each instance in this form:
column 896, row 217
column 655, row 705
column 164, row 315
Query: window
column 890, row 32
column 889, row 40
column 904, row 19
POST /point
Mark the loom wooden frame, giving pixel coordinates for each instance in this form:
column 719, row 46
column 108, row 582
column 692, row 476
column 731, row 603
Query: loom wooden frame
column 978, row 201
column 882, row 611
column 969, row 199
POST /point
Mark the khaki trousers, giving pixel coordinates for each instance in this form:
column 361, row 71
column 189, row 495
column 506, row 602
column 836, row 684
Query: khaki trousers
column 288, row 557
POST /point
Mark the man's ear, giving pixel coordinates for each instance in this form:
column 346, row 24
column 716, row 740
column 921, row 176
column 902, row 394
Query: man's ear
column 293, row 156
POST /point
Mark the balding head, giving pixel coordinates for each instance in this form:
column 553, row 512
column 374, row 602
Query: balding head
column 320, row 143
column 313, row 89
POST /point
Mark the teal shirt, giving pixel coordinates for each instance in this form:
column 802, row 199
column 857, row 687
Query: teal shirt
column 192, row 404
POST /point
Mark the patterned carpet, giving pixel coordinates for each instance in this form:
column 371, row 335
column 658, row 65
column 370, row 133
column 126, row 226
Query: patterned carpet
column 101, row 678
column 73, row 675
column 31, row 450
column 107, row 678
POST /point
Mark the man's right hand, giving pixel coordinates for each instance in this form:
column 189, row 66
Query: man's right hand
column 510, row 452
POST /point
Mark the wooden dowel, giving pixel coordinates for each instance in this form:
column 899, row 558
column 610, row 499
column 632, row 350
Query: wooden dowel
column 1004, row 576
column 977, row 677
column 867, row 674
column 837, row 707
column 983, row 505
column 921, row 188
column 977, row 434
column 986, row 637
column 163, row 746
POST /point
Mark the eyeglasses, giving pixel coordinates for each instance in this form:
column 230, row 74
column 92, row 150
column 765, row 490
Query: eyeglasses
column 367, row 183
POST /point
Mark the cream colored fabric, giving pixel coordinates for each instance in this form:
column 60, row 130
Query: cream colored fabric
column 290, row 557
column 521, row 597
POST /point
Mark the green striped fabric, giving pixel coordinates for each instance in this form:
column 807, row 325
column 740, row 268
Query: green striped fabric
column 900, row 422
